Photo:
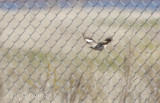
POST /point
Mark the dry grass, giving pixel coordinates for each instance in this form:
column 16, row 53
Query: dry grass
column 76, row 89
column 128, row 73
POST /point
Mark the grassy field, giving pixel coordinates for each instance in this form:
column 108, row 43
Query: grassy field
column 43, row 52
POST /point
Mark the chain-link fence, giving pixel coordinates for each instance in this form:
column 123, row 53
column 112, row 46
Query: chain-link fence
column 45, row 59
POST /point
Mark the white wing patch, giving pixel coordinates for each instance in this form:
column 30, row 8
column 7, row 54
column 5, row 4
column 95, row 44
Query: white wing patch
column 89, row 40
column 105, row 46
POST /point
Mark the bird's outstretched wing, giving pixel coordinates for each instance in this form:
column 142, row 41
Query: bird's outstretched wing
column 89, row 40
column 107, row 40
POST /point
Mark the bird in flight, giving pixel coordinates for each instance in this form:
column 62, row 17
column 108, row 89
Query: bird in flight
column 97, row 45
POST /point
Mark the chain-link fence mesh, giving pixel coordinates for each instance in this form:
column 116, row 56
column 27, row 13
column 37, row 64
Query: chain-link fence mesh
column 44, row 58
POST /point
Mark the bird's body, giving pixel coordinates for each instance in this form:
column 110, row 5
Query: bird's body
column 97, row 45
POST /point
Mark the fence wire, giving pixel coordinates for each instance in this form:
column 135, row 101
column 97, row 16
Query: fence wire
column 44, row 58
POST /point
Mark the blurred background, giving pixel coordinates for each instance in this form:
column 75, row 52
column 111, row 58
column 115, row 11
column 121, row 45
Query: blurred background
column 44, row 58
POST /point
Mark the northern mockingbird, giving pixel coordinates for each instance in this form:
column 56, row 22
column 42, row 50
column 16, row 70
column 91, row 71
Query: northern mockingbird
column 97, row 45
